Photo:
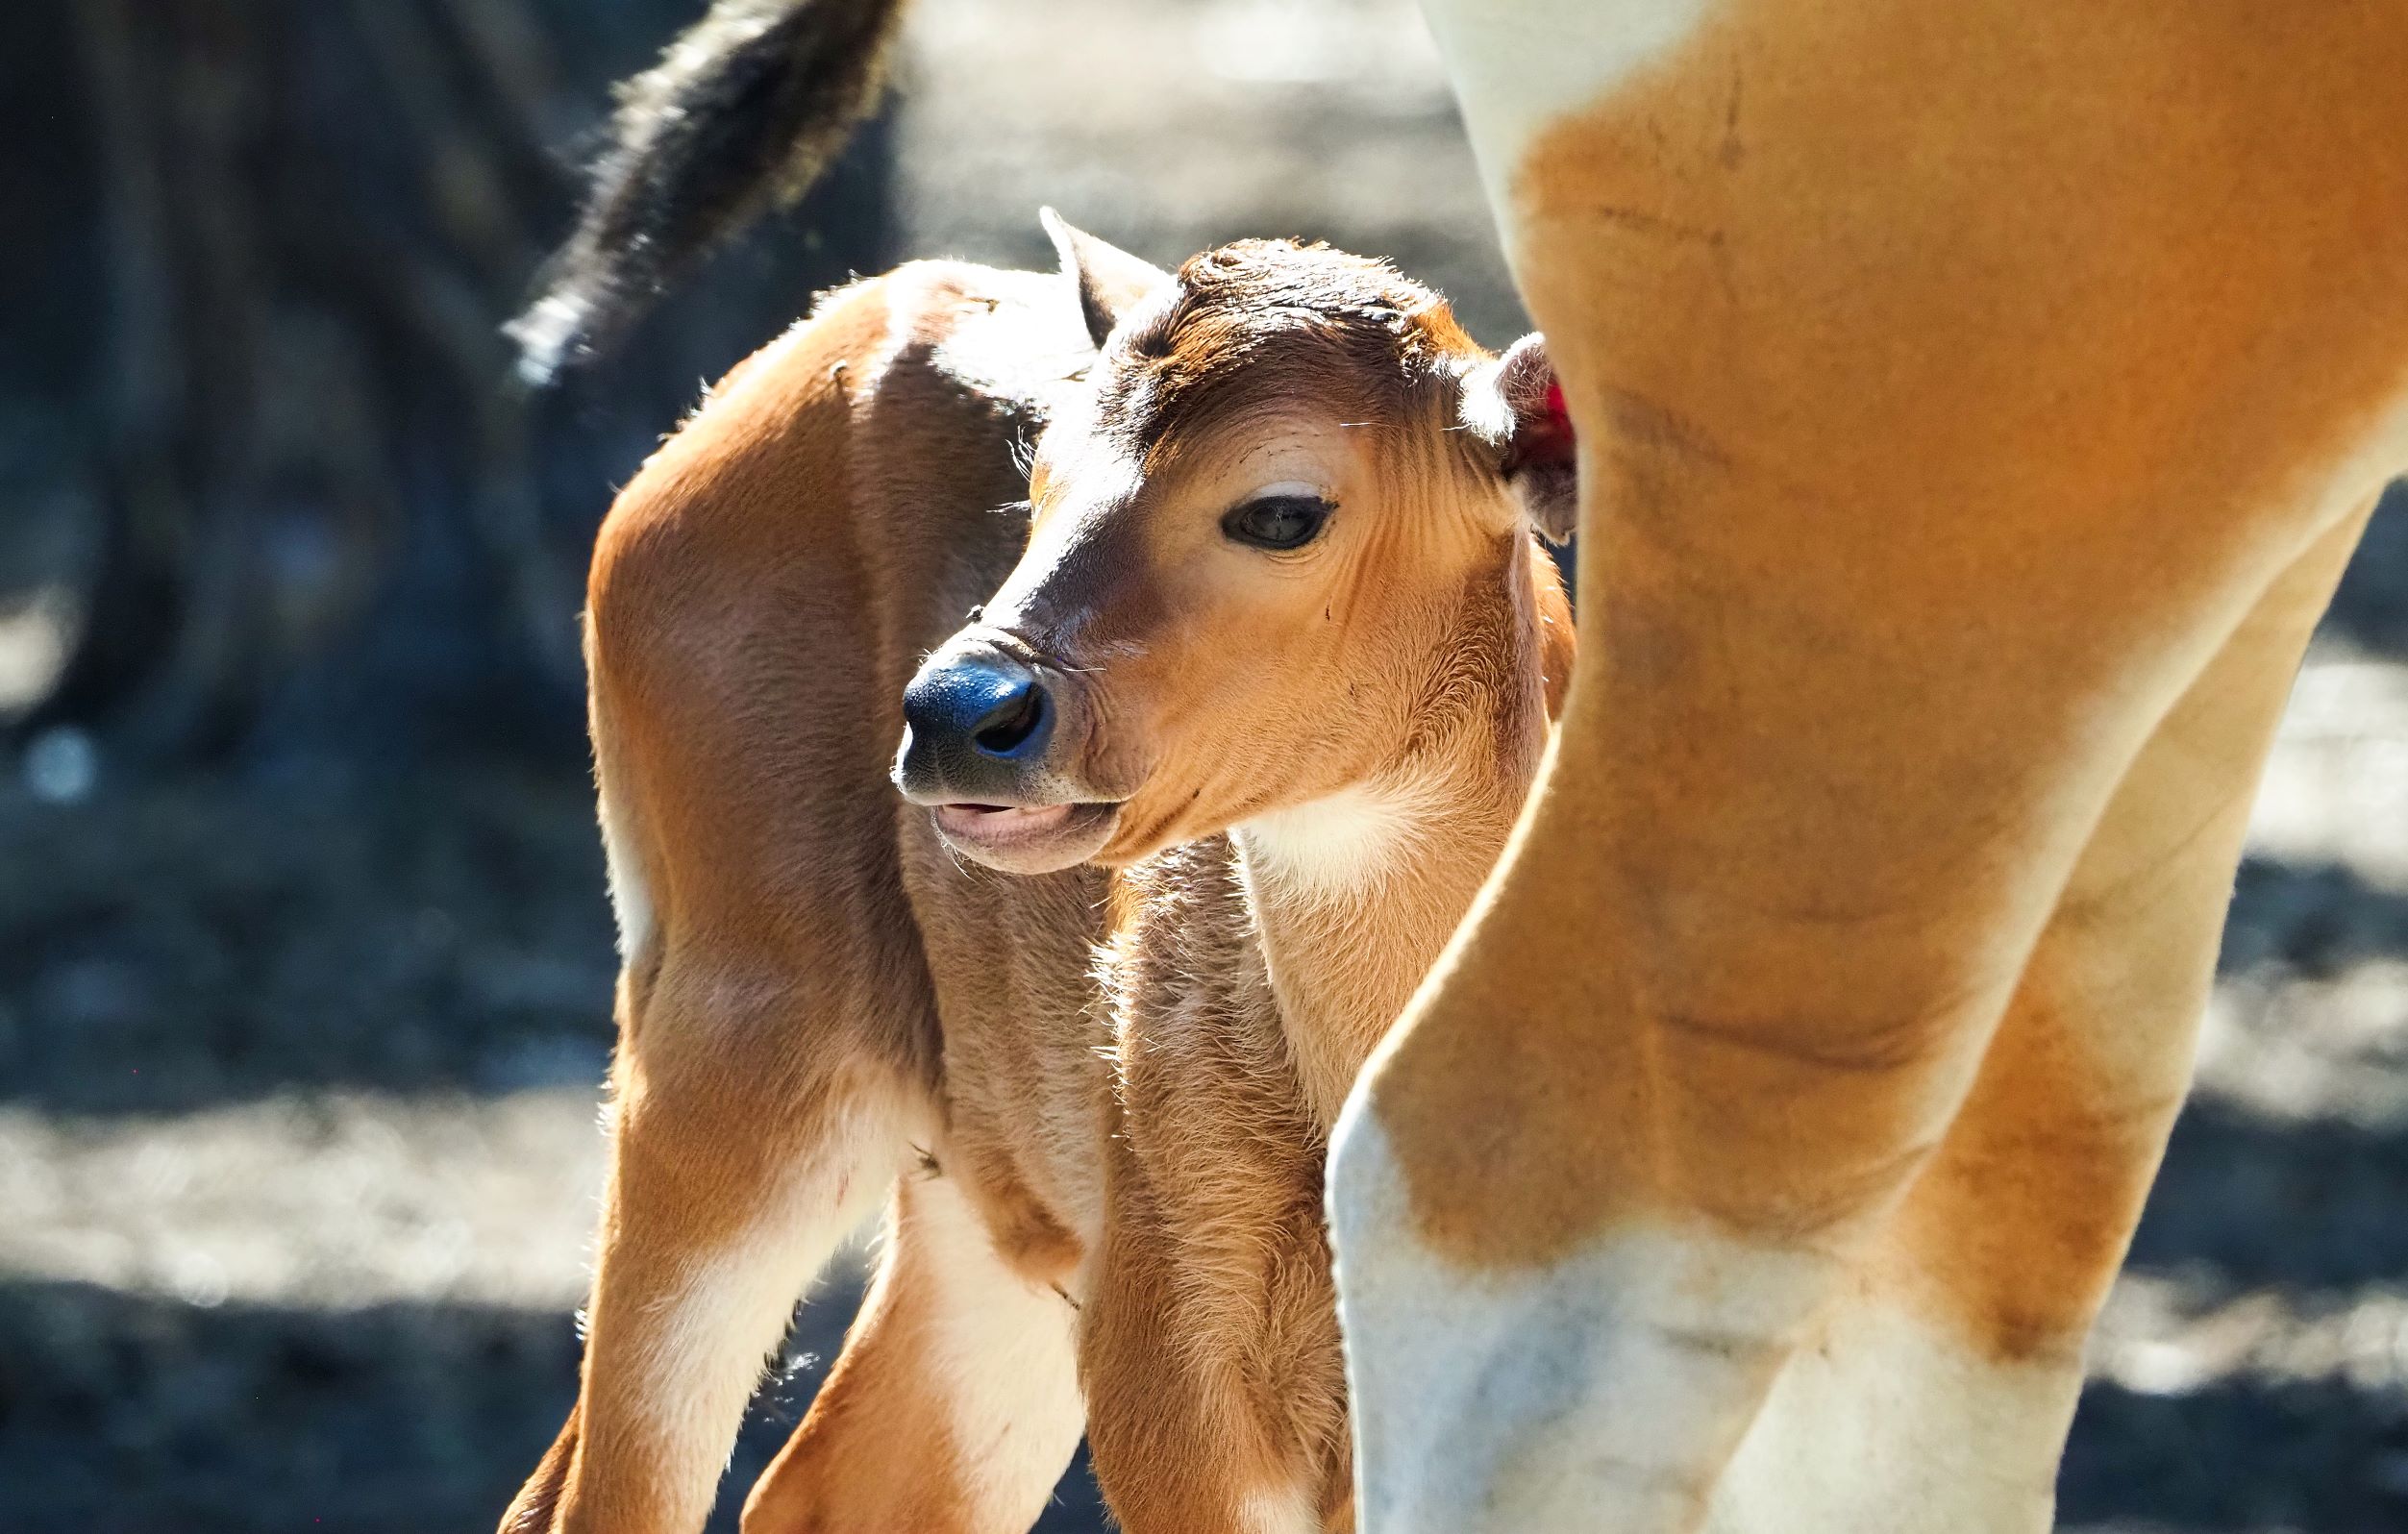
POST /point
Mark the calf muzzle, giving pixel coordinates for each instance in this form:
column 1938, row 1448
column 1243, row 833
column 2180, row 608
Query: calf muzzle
column 977, row 726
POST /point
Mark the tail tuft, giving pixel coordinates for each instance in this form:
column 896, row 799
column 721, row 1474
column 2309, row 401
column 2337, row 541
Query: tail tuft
column 743, row 112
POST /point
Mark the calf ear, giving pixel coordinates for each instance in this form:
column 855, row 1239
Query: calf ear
column 1516, row 406
column 1110, row 281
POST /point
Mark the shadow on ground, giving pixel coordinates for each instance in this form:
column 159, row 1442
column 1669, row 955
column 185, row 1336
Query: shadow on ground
column 170, row 945
column 121, row 1413
column 2317, row 1456
column 2245, row 1204
column 227, row 940
column 124, row 1415
column 2312, row 917
column 2371, row 609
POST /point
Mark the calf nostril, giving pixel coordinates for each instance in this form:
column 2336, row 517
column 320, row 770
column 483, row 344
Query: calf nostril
column 1012, row 722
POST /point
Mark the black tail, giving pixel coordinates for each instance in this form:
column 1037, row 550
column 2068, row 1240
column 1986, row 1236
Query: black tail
column 743, row 111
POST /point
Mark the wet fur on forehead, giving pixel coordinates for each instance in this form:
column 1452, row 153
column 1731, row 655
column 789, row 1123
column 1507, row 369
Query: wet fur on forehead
column 1260, row 319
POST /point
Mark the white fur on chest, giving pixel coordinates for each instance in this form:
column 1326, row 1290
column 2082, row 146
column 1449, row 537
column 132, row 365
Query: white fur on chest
column 1336, row 849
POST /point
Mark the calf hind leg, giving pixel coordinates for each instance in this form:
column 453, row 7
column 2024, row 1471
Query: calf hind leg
column 778, row 1051
column 738, row 1162
column 955, row 1403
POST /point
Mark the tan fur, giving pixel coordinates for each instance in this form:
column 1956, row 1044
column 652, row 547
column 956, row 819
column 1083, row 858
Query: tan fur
column 759, row 594
column 820, row 997
column 956, row 1401
column 1977, row 404
column 1860, row 553
column 1415, row 650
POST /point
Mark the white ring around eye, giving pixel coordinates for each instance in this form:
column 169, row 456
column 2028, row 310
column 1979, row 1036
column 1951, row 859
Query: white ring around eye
column 1288, row 489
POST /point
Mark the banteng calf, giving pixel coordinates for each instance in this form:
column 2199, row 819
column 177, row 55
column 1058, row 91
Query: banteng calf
column 1275, row 641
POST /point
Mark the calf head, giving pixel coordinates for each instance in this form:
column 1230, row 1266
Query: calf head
column 1289, row 495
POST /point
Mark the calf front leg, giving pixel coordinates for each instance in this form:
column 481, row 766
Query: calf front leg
column 954, row 1406
column 1215, row 1389
column 750, row 1134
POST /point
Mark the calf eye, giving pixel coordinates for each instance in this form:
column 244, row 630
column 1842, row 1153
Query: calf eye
column 1277, row 520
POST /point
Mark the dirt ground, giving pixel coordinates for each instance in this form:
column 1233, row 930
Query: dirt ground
column 299, row 1058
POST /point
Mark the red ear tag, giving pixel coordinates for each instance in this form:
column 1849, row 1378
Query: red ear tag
column 1555, row 405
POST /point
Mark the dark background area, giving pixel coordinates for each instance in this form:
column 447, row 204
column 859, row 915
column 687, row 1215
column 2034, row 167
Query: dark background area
column 305, row 961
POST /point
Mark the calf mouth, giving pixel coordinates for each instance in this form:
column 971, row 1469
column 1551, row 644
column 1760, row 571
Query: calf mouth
column 1025, row 838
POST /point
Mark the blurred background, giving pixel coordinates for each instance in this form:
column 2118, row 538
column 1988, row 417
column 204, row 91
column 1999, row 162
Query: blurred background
column 304, row 962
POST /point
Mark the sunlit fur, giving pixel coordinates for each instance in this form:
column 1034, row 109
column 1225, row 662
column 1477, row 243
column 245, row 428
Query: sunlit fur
column 813, row 989
column 1104, row 1108
column 1394, row 673
column 1977, row 404
column 1240, row 680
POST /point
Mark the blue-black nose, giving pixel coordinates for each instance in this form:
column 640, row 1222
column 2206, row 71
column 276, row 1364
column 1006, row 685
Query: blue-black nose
column 995, row 706
column 975, row 722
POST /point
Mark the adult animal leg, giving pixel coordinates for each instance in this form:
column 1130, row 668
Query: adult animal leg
column 1955, row 1348
column 1939, row 426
